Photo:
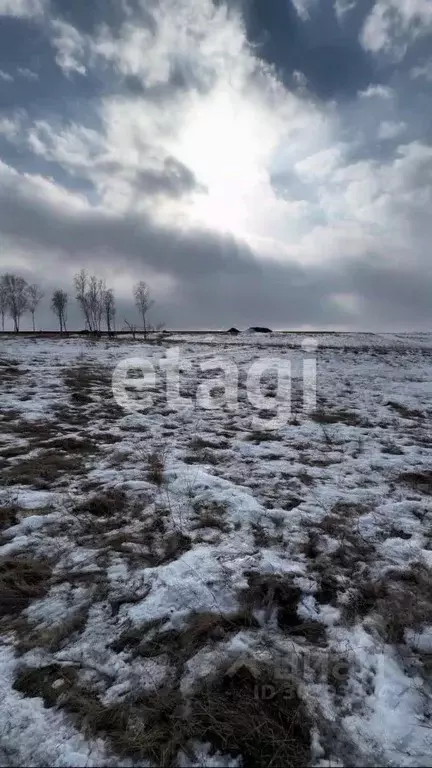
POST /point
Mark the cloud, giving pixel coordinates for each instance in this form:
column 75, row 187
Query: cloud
column 28, row 74
column 23, row 8
column 377, row 91
column 343, row 7
column 242, row 199
column 6, row 77
column 304, row 7
column 10, row 127
column 391, row 130
column 70, row 47
column 393, row 24
column 424, row 71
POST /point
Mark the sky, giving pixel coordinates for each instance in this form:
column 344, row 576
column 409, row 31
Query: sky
column 257, row 162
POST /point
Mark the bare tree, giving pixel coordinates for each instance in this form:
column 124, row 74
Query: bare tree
column 132, row 328
column 3, row 302
column 81, row 288
column 89, row 293
column 16, row 297
column 143, row 302
column 109, row 309
column 59, row 307
column 34, row 297
column 96, row 293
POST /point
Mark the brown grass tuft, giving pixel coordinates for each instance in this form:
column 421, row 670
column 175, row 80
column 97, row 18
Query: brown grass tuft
column 21, row 580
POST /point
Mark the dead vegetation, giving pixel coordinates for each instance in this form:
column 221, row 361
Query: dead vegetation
column 338, row 416
column 180, row 645
column 71, row 444
column 22, row 579
column 418, row 481
column 39, row 429
column 8, row 515
column 111, row 504
column 235, row 718
column 228, row 712
column 80, row 380
column 404, row 411
column 211, row 514
column 401, row 601
column 43, row 470
column 52, row 638
column 156, row 467
column 10, row 371
column 277, row 596
column 264, row 436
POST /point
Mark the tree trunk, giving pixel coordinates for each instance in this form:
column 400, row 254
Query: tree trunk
column 33, row 321
column 3, row 317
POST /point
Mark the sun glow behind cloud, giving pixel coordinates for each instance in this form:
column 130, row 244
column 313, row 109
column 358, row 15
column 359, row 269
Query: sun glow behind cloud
column 227, row 145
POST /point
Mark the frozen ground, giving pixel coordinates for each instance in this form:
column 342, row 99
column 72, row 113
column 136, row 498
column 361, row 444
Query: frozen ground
column 166, row 576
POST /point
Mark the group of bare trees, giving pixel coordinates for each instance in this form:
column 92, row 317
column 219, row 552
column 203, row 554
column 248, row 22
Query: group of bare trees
column 95, row 300
column 18, row 297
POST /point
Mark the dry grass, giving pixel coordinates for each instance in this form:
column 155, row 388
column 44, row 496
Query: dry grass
column 111, row 504
column 10, row 371
column 71, row 444
column 44, row 682
column 418, row 481
column 265, row 436
column 8, row 515
column 155, row 467
column 174, row 545
column 228, row 713
column 53, row 638
column 39, row 430
column 180, row 645
column 274, row 594
column 81, row 379
column 210, row 515
column 265, row 732
column 13, row 450
column 43, row 470
column 339, row 416
column 404, row 411
column 22, row 579
column 403, row 600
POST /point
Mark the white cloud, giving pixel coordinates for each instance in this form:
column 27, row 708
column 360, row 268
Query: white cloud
column 70, row 46
column 28, row 74
column 343, row 7
column 423, row 71
column 303, row 7
column 391, row 130
column 393, row 24
column 23, row 8
column 6, row 77
column 10, row 127
column 377, row 91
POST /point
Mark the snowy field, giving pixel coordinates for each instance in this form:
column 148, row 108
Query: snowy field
column 179, row 587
